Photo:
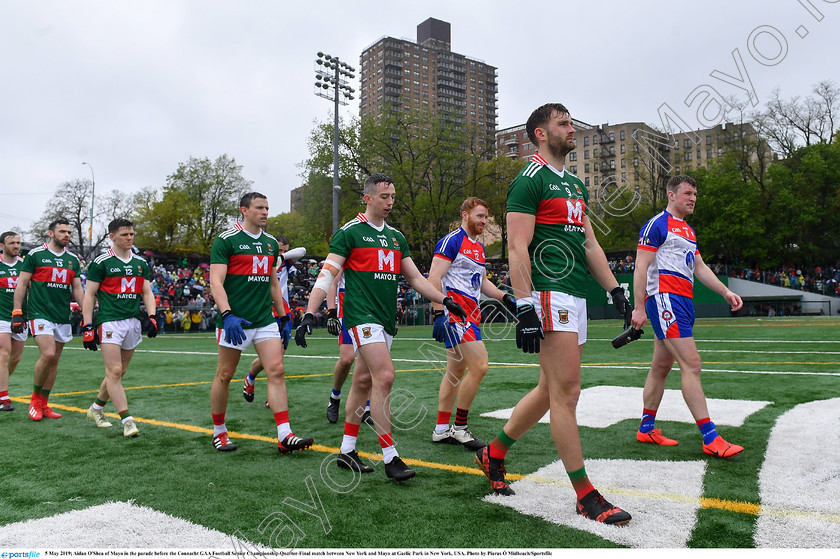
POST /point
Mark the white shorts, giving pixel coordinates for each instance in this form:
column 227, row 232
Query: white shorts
column 561, row 312
column 370, row 333
column 253, row 336
column 125, row 333
column 62, row 333
column 6, row 328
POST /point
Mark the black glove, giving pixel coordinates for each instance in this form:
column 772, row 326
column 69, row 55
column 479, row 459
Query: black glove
column 333, row 323
column 529, row 331
column 510, row 303
column 152, row 328
column 439, row 329
column 18, row 322
column 90, row 337
column 622, row 305
column 304, row 328
column 454, row 308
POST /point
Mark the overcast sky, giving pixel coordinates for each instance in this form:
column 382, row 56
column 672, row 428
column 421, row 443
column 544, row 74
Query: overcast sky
column 135, row 88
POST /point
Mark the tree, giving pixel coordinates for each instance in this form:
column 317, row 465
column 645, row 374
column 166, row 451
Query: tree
column 789, row 124
column 491, row 185
column 199, row 201
column 72, row 201
column 294, row 227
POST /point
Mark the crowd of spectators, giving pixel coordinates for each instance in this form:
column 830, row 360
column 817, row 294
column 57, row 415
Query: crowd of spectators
column 824, row 280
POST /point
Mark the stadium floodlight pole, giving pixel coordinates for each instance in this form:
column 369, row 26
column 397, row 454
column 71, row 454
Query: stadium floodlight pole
column 92, row 194
column 328, row 75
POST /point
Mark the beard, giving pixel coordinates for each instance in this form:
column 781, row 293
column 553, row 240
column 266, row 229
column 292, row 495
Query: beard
column 558, row 147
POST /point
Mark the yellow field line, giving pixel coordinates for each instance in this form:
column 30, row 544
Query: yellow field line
column 704, row 502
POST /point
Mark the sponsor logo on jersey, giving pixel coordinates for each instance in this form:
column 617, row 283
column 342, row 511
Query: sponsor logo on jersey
column 575, row 211
column 368, row 239
column 386, row 258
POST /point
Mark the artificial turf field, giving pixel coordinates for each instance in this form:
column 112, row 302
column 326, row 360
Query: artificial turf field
column 55, row 466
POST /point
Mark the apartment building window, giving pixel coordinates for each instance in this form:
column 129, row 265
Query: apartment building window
column 624, row 176
column 708, row 138
column 527, row 146
column 622, row 149
column 698, row 155
column 586, row 181
column 595, row 166
column 572, row 156
column 720, row 152
column 709, row 153
column 612, row 164
column 612, row 150
column 635, row 162
column 586, row 168
column 586, row 141
column 636, row 176
column 621, row 136
column 687, row 143
column 595, row 139
column 612, row 136
column 688, row 156
column 677, row 169
column 623, row 163
column 573, row 169
column 586, row 154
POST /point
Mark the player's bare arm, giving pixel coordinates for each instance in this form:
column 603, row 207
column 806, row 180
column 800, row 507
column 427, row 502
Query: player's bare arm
column 420, row 284
column 78, row 291
column 218, row 273
column 437, row 270
column 710, row 280
column 20, row 290
column 148, row 299
column 91, row 289
column 596, row 260
column 330, row 268
column 520, row 227
column 644, row 259
column 277, row 291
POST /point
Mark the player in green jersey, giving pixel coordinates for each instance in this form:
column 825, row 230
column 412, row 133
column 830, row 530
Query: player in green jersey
column 551, row 244
column 243, row 280
column 51, row 274
column 11, row 344
column 373, row 255
column 119, row 279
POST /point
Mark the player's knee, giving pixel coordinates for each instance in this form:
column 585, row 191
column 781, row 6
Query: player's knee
column 386, row 380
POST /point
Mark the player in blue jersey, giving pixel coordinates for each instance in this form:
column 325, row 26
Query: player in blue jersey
column 666, row 262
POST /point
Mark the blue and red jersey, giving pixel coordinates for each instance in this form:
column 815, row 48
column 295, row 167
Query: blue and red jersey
column 466, row 271
column 675, row 244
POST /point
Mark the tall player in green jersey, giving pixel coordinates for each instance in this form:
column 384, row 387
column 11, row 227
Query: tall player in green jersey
column 373, row 255
column 551, row 244
column 243, row 280
column 11, row 344
column 119, row 279
column 51, row 274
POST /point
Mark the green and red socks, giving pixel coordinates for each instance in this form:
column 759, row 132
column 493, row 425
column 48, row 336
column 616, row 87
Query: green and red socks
column 498, row 447
column 580, row 483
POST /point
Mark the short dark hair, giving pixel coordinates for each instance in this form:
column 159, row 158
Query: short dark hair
column 374, row 179
column 675, row 182
column 541, row 116
column 59, row 221
column 245, row 201
column 119, row 223
column 6, row 235
column 282, row 239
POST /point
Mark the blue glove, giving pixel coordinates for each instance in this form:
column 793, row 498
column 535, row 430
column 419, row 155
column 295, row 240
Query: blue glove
column 284, row 324
column 439, row 329
column 234, row 334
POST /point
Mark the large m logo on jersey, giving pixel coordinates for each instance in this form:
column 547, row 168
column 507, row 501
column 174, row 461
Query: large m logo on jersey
column 386, row 258
column 574, row 211
column 259, row 265
column 128, row 285
column 59, row 275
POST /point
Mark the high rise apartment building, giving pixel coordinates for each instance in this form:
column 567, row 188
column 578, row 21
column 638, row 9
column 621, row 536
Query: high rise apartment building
column 625, row 153
column 403, row 75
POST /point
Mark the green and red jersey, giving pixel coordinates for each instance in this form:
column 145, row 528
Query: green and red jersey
column 250, row 262
column 558, row 200
column 120, row 285
column 373, row 257
column 51, row 286
column 8, row 281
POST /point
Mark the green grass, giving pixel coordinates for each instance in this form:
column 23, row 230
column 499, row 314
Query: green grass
column 71, row 465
